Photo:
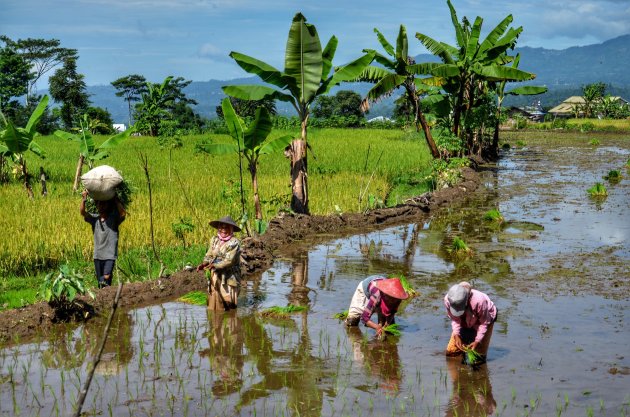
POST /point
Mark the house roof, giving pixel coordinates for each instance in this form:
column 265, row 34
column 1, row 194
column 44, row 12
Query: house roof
column 568, row 105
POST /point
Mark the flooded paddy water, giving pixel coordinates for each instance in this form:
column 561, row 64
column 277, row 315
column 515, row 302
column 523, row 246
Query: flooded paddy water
column 557, row 269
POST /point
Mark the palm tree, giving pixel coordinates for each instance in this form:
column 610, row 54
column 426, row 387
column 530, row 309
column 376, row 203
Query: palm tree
column 154, row 105
column 306, row 75
column 399, row 71
column 472, row 62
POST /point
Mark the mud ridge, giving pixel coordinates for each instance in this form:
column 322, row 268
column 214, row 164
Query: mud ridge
column 285, row 235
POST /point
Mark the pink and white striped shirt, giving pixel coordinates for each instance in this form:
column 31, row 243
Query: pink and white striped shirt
column 480, row 313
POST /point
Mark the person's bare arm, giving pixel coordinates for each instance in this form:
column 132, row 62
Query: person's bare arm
column 84, row 194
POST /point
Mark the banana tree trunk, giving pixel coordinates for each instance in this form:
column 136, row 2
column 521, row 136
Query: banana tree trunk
column 253, row 172
column 77, row 174
column 419, row 117
column 27, row 182
column 299, row 169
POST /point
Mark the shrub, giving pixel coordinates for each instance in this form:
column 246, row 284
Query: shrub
column 60, row 289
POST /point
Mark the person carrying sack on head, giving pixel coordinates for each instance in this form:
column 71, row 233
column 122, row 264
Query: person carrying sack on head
column 222, row 264
column 376, row 294
column 472, row 315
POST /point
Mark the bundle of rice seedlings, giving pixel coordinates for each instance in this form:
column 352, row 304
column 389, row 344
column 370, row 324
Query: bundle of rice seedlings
column 459, row 247
column 493, row 215
column 392, row 329
column 613, row 176
column 194, row 297
column 598, row 190
column 472, row 357
column 406, row 285
column 277, row 311
column 341, row 316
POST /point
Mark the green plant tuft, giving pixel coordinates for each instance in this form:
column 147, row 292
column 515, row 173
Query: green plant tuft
column 459, row 247
column 341, row 316
column 194, row 297
column 277, row 311
column 472, row 357
column 598, row 190
column 60, row 289
column 613, row 176
column 392, row 329
column 493, row 215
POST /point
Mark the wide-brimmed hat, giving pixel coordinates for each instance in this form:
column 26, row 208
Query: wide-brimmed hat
column 458, row 299
column 225, row 220
column 392, row 287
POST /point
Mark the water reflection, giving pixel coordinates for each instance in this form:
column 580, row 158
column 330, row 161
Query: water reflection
column 471, row 390
column 380, row 359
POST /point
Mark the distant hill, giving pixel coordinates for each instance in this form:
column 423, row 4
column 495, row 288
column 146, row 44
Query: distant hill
column 564, row 72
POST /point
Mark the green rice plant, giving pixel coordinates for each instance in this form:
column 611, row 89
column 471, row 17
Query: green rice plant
column 60, row 289
column 521, row 143
column 459, row 247
column 493, row 215
column 598, row 190
column 277, row 311
column 341, row 316
column 613, row 176
column 594, row 142
column 194, row 297
column 406, row 285
column 472, row 357
column 392, row 329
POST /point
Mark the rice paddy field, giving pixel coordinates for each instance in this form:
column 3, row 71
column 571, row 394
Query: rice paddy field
column 347, row 169
column 556, row 267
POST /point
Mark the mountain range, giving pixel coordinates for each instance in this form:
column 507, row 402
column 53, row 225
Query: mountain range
column 564, row 72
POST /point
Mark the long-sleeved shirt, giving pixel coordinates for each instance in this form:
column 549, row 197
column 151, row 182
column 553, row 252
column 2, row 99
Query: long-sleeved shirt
column 480, row 313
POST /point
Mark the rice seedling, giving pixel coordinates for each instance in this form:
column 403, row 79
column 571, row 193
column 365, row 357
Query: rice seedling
column 493, row 215
column 598, row 190
column 280, row 312
column 459, row 247
column 594, row 142
column 613, row 176
column 472, row 357
column 341, row 316
column 392, row 329
column 199, row 298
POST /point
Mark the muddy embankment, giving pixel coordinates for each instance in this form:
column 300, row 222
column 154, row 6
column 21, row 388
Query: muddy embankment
column 258, row 254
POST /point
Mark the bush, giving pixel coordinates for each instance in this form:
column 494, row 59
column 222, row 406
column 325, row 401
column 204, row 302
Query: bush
column 60, row 289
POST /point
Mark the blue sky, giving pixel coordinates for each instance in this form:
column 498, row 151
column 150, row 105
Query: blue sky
column 192, row 38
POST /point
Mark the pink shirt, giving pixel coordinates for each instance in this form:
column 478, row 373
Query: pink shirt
column 480, row 313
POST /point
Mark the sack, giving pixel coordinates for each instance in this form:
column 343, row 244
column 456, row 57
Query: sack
column 101, row 182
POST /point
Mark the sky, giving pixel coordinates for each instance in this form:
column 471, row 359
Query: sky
column 192, row 38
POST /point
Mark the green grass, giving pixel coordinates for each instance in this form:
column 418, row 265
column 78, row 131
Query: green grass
column 598, row 190
column 43, row 233
column 493, row 215
column 341, row 316
column 614, row 176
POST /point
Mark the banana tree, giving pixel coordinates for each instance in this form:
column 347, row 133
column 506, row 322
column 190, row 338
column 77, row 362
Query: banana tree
column 251, row 143
column 472, row 62
column 528, row 90
column 154, row 106
column 88, row 151
column 307, row 75
column 16, row 141
column 400, row 71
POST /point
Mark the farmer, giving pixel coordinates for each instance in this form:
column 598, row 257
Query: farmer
column 376, row 294
column 105, row 223
column 472, row 315
column 223, row 262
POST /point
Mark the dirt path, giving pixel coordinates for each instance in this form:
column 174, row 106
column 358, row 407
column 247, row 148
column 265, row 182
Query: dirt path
column 283, row 236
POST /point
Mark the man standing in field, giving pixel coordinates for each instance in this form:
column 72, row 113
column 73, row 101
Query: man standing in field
column 105, row 228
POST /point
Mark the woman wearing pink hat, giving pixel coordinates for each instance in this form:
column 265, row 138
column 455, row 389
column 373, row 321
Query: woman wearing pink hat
column 376, row 294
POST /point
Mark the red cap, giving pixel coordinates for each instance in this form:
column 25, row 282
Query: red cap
column 392, row 287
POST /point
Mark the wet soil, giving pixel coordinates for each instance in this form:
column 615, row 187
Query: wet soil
column 283, row 237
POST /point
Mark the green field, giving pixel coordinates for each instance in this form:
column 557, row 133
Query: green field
column 41, row 234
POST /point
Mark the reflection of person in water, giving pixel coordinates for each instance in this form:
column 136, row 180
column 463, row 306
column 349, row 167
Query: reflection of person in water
column 472, row 392
column 380, row 359
column 225, row 352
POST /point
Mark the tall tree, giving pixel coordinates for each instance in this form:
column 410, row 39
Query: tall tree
column 470, row 63
column 68, row 87
column 400, row 70
column 306, row 75
column 592, row 94
column 131, row 89
column 345, row 103
column 42, row 54
column 252, row 143
column 14, row 75
column 154, row 106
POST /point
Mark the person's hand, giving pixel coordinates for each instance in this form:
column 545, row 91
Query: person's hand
column 473, row 345
column 201, row 267
column 84, row 194
column 458, row 342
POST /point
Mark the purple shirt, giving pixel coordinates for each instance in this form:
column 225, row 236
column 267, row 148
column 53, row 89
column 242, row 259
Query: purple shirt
column 480, row 313
column 374, row 300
